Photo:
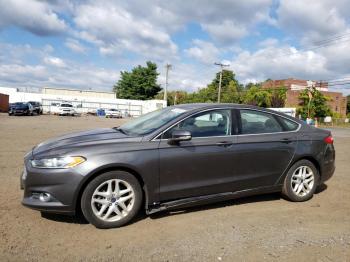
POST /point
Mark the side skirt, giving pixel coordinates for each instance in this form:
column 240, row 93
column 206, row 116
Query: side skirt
column 207, row 199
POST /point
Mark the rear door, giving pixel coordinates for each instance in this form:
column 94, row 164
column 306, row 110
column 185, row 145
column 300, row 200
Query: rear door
column 265, row 146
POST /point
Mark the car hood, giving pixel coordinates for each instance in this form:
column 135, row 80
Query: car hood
column 80, row 138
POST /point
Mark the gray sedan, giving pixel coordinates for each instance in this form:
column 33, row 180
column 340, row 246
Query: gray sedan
column 174, row 158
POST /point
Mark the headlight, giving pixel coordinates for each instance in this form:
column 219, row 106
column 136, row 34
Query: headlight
column 58, row 162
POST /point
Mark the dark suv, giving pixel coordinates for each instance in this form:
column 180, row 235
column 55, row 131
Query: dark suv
column 21, row 108
column 176, row 157
column 37, row 107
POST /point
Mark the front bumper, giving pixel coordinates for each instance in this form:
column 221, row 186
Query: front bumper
column 62, row 185
column 20, row 112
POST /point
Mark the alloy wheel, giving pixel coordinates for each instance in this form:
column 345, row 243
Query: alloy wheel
column 302, row 181
column 112, row 200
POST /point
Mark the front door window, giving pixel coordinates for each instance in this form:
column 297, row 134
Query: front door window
column 205, row 124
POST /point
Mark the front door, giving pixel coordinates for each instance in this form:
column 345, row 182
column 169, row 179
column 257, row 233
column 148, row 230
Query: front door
column 203, row 165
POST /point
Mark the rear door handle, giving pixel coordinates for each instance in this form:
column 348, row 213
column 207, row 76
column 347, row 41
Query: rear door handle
column 224, row 143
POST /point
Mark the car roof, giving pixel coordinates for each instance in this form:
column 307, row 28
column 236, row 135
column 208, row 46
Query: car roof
column 203, row 106
column 195, row 106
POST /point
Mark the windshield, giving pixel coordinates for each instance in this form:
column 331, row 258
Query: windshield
column 66, row 105
column 150, row 122
column 20, row 105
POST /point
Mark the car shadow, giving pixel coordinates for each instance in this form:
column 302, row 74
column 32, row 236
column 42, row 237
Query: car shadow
column 79, row 218
column 70, row 219
column 321, row 188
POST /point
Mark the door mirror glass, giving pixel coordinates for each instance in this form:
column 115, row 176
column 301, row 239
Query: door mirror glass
column 180, row 135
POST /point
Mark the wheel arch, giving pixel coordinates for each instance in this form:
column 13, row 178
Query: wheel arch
column 312, row 159
column 106, row 169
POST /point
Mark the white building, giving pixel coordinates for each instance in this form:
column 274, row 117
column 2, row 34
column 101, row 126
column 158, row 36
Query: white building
column 84, row 100
column 78, row 93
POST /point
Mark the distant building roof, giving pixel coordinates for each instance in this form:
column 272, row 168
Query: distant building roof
column 75, row 90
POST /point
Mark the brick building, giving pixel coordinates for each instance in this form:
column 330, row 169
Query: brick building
column 337, row 101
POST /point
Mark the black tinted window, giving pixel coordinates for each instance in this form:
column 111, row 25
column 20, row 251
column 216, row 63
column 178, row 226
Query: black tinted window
column 66, row 105
column 288, row 124
column 210, row 123
column 256, row 122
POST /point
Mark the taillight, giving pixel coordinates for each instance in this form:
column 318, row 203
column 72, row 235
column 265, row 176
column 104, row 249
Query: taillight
column 329, row 139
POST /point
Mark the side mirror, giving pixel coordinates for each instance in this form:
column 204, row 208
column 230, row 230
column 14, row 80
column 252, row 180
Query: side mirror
column 179, row 135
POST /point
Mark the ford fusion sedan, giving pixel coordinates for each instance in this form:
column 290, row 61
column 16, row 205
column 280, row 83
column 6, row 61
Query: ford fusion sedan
column 174, row 158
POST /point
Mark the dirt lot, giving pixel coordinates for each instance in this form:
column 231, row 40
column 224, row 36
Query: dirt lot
column 251, row 229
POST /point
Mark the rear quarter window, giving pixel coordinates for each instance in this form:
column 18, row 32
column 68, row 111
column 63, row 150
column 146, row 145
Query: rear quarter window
column 288, row 124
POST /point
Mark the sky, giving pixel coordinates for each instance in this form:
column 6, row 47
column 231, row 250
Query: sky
column 85, row 44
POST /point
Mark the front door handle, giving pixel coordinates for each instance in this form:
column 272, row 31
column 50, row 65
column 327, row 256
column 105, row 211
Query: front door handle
column 286, row 140
column 224, row 143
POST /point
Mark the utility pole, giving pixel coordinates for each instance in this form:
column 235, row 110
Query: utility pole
column 222, row 68
column 167, row 67
column 310, row 87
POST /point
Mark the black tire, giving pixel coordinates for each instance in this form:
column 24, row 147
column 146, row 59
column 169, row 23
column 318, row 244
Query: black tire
column 86, row 206
column 287, row 189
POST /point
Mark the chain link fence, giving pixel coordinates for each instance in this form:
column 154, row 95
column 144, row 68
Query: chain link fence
column 83, row 107
column 330, row 121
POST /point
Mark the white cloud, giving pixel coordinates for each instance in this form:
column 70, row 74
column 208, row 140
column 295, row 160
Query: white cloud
column 75, row 45
column 279, row 62
column 34, row 16
column 50, row 70
column 274, row 63
column 313, row 20
column 15, row 74
column 54, row 61
column 227, row 31
column 215, row 17
column 81, row 77
column 114, row 30
column 138, row 30
column 268, row 42
column 187, row 77
column 203, row 51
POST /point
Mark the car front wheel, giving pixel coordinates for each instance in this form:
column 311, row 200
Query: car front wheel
column 111, row 199
column 301, row 181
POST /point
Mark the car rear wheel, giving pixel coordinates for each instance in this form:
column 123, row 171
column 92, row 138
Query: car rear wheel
column 111, row 199
column 301, row 181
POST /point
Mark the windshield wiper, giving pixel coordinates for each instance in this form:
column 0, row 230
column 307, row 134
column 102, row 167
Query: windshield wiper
column 120, row 130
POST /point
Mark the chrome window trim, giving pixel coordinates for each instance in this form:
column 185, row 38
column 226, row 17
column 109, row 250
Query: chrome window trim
column 230, row 108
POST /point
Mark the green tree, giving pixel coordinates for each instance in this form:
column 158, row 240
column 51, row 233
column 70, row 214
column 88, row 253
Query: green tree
column 140, row 83
column 314, row 107
column 174, row 97
column 348, row 104
column 230, row 90
column 257, row 96
column 278, row 96
column 231, row 93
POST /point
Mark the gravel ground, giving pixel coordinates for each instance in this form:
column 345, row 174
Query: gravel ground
column 250, row 229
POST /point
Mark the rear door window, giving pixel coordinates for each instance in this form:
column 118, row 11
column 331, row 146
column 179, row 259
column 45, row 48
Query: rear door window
column 257, row 122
